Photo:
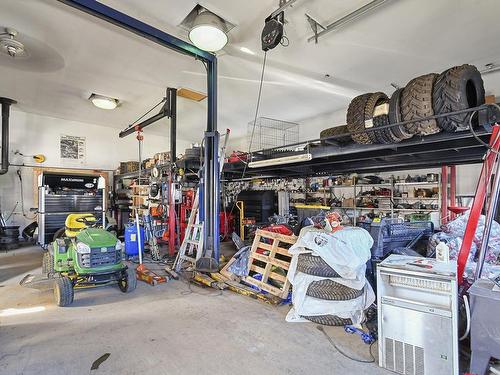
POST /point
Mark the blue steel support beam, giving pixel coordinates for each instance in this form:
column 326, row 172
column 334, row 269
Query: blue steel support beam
column 211, row 187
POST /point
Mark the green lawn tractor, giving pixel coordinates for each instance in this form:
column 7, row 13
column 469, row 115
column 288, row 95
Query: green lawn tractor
column 85, row 256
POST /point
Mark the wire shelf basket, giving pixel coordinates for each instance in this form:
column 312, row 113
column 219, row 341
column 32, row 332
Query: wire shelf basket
column 269, row 133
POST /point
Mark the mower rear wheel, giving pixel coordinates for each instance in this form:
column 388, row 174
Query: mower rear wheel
column 129, row 282
column 48, row 264
column 63, row 291
column 59, row 233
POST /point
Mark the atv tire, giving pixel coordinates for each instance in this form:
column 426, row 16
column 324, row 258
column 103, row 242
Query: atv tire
column 384, row 136
column 356, row 118
column 315, row 265
column 395, row 116
column 332, row 291
column 416, row 103
column 374, row 100
column 457, row 88
column 329, row 320
column 128, row 283
column 48, row 264
column 341, row 131
column 63, row 291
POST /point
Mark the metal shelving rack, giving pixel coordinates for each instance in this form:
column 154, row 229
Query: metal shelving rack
column 358, row 188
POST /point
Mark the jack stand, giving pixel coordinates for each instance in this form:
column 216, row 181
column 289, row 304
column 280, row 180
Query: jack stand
column 148, row 276
column 366, row 337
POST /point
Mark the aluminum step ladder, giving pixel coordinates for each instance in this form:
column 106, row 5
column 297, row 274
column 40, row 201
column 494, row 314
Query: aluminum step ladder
column 192, row 246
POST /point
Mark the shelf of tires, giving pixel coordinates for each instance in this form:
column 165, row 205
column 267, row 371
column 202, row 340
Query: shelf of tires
column 455, row 89
column 398, row 199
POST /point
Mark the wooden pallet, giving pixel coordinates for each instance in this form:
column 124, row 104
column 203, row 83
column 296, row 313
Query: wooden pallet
column 278, row 256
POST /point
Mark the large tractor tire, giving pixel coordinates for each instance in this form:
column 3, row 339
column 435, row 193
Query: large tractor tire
column 329, row 320
column 315, row 265
column 395, row 116
column 129, row 282
column 48, row 264
column 330, row 290
column 63, row 291
column 416, row 103
column 356, row 118
column 457, row 88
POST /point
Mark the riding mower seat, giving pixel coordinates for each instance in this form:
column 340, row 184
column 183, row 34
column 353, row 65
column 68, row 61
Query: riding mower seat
column 75, row 223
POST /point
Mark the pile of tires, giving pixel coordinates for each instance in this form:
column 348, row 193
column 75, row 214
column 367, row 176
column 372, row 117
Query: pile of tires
column 458, row 88
column 325, row 289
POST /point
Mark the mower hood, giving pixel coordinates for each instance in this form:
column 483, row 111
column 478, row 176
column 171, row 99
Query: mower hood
column 96, row 237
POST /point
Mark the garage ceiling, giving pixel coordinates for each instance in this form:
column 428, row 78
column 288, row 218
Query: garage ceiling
column 74, row 54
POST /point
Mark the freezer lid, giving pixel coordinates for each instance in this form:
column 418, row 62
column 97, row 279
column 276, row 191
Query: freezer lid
column 423, row 265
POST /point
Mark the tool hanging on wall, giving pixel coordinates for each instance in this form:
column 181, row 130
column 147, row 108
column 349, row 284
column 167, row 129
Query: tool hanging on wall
column 141, row 271
column 38, row 158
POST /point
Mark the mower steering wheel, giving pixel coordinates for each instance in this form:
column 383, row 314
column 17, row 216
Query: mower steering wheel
column 88, row 223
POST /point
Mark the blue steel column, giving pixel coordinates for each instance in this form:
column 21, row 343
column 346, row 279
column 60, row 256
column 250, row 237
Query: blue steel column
column 211, row 172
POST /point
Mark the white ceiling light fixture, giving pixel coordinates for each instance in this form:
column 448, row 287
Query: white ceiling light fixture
column 206, row 30
column 103, row 102
column 280, row 161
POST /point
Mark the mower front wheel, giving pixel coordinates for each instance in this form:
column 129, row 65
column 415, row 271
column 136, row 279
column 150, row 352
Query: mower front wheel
column 63, row 291
column 129, row 282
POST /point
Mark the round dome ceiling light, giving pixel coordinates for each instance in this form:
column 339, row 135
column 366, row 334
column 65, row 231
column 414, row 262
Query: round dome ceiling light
column 103, row 102
column 208, row 32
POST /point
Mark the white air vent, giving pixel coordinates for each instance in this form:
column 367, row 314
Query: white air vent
column 414, row 282
column 404, row 358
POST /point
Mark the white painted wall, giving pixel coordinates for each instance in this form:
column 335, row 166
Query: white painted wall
column 35, row 134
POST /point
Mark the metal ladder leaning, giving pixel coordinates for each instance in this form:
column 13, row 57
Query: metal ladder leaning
column 194, row 230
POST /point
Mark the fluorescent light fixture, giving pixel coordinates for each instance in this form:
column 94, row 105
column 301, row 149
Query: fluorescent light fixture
column 27, row 310
column 247, row 50
column 279, row 161
column 208, row 32
column 103, row 102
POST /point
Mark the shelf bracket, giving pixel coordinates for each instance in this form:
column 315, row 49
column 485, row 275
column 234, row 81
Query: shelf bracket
column 314, row 27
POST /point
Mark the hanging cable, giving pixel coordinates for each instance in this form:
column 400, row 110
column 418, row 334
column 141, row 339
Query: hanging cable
column 22, row 197
column 371, row 360
column 254, row 120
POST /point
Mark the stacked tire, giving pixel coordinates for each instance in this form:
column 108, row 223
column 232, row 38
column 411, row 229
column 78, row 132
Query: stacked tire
column 326, row 289
column 455, row 89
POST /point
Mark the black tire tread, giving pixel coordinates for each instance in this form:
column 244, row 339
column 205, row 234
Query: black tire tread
column 416, row 103
column 450, row 95
column 342, row 131
column 333, row 291
column 131, row 281
column 63, row 291
column 47, row 264
column 356, row 118
column 395, row 116
column 329, row 320
column 374, row 100
column 315, row 265
column 384, row 136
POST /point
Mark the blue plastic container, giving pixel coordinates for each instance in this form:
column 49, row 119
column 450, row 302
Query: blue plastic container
column 131, row 243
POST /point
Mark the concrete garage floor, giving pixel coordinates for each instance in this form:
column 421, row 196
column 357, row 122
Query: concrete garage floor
column 168, row 329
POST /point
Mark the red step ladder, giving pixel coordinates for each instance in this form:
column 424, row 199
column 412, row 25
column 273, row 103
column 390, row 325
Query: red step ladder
column 491, row 166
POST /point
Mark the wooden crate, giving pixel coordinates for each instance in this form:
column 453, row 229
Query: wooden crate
column 278, row 256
